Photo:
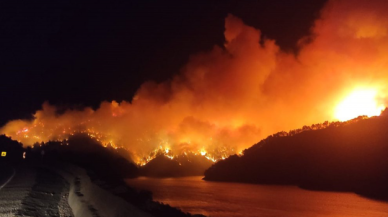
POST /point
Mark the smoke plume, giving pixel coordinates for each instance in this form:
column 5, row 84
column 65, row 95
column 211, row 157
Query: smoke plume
column 228, row 98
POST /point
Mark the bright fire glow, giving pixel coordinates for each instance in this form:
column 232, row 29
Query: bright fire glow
column 230, row 97
column 359, row 102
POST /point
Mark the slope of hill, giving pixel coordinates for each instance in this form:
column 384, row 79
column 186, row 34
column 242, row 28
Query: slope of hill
column 182, row 165
column 11, row 151
column 347, row 156
column 103, row 168
column 86, row 152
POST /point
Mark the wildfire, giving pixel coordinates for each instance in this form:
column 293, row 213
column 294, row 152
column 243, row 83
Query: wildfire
column 167, row 152
column 359, row 102
column 228, row 98
column 37, row 133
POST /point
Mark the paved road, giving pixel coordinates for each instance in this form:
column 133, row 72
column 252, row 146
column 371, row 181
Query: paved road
column 34, row 191
column 6, row 173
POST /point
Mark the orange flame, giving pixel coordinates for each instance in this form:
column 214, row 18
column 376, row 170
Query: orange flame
column 359, row 102
column 230, row 97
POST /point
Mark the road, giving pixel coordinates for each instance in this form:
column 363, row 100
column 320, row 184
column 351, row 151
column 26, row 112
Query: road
column 6, row 173
column 33, row 191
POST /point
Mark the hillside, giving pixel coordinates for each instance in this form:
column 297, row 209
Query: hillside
column 181, row 165
column 86, row 152
column 105, row 168
column 346, row 156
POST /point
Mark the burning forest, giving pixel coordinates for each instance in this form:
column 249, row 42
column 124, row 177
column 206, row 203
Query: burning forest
column 228, row 98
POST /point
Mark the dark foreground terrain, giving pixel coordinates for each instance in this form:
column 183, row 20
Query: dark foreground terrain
column 340, row 156
column 34, row 191
column 37, row 191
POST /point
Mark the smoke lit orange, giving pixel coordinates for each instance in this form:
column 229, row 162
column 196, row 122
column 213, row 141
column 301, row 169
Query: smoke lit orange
column 230, row 97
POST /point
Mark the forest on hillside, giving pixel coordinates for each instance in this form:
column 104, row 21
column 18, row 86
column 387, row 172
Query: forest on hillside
column 338, row 156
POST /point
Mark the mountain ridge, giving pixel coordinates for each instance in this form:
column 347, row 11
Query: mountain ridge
column 342, row 156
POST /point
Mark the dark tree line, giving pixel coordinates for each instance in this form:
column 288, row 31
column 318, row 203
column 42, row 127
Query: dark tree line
column 340, row 156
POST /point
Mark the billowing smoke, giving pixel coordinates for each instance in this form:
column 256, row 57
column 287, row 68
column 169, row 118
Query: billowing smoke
column 229, row 98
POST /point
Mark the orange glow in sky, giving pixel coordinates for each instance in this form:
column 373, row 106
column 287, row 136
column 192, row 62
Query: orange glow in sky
column 230, row 97
column 359, row 102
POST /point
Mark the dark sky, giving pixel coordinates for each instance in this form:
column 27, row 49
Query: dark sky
column 78, row 54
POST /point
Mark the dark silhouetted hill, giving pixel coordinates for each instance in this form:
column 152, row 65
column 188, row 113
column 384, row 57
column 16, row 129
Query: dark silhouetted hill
column 106, row 167
column 182, row 165
column 339, row 156
column 12, row 150
column 88, row 153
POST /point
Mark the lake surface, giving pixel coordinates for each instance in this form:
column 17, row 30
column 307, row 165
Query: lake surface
column 219, row 199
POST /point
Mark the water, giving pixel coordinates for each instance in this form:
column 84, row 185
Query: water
column 217, row 199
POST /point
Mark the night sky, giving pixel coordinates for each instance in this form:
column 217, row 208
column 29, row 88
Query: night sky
column 75, row 55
